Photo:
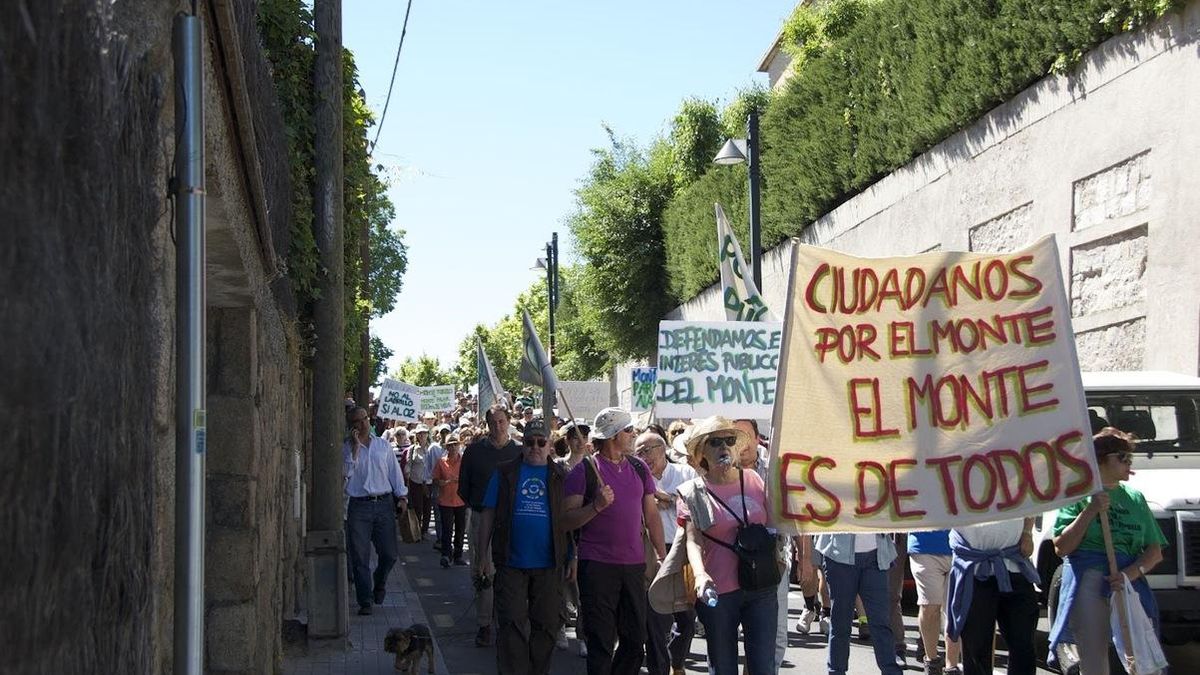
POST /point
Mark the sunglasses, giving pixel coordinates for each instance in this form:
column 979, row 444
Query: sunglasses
column 718, row 441
column 536, row 442
column 644, row 449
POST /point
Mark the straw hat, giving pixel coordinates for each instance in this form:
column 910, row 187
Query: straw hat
column 709, row 426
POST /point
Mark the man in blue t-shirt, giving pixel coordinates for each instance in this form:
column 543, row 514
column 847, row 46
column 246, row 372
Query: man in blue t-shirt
column 522, row 514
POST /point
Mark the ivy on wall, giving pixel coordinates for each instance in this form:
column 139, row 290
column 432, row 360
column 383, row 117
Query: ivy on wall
column 286, row 27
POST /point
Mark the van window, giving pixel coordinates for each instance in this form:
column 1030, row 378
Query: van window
column 1162, row 421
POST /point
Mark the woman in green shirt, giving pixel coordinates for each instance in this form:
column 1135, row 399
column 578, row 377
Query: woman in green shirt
column 1083, row 612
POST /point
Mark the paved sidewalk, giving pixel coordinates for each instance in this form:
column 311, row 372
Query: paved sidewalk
column 364, row 654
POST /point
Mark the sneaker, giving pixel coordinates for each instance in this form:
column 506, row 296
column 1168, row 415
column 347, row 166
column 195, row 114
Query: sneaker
column 484, row 637
column 823, row 625
column 380, row 595
column 364, row 610
column 952, row 670
column 804, row 625
column 560, row 642
column 901, row 661
column 934, row 666
column 700, row 629
column 460, row 562
column 445, row 562
column 582, row 649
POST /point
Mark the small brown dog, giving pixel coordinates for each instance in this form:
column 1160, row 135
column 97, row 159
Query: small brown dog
column 410, row 645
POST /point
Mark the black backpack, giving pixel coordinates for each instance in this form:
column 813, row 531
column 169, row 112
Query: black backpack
column 754, row 546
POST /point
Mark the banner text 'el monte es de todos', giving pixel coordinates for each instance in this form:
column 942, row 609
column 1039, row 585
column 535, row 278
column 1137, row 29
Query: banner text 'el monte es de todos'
column 717, row 368
column 927, row 392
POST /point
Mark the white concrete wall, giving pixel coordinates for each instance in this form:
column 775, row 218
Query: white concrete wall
column 1108, row 160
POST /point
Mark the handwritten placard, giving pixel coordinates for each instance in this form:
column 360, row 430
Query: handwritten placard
column 439, row 398
column 585, row 397
column 642, row 386
column 398, row 401
column 927, row 392
column 717, row 368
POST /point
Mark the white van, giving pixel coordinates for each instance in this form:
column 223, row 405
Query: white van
column 1163, row 410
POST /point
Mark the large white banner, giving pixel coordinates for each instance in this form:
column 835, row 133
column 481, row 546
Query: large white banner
column 399, row 401
column 927, row 392
column 717, row 368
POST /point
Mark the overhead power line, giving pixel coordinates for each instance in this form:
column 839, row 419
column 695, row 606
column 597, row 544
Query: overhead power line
column 395, row 66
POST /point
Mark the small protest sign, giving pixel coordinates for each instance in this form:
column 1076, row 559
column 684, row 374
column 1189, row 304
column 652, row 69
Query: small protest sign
column 438, row 398
column 586, row 398
column 398, row 401
column 927, row 392
column 717, row 368
column 643, row 381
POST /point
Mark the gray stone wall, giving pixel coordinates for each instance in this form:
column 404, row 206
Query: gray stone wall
column 1105, row 159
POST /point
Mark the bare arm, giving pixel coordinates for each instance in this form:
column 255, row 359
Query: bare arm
column 577, row 514
column 654, row 524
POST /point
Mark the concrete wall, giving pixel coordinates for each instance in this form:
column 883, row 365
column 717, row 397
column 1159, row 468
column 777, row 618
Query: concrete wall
column 1105, row 159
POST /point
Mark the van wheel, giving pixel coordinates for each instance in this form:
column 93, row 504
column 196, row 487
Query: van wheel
column 1052, row 594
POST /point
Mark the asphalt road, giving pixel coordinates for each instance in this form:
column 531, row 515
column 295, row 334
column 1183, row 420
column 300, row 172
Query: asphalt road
column 447, row 600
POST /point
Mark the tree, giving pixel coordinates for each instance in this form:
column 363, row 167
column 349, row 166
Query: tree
column 423, row 371
column 618, row 232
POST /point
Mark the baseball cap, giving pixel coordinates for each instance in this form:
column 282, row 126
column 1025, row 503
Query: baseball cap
column 610, row 422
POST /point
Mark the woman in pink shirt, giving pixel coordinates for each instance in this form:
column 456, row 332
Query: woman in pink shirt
column 714, row 510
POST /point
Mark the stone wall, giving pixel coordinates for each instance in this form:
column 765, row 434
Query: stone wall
column 1105, row 159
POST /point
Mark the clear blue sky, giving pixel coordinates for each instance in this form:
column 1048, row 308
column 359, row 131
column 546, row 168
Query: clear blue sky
column 495, row 110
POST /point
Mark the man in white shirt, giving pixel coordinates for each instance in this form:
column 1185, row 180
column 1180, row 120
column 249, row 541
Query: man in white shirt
column 374, row 490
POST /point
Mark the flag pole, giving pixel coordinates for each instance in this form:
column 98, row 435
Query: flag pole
column 1118, row 595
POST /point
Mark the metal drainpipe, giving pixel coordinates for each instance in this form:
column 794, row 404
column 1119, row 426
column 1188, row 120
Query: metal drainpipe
column 190, row 422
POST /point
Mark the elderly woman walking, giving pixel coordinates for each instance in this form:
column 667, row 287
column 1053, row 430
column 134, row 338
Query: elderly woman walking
column 725, row 506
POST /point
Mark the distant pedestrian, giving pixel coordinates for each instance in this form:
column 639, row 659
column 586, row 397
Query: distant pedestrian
column 522, row 520
column 929, row 557
column 419, row 470
column 611, row 500
column 479, row 461
column 453, row 509
column 375, row 490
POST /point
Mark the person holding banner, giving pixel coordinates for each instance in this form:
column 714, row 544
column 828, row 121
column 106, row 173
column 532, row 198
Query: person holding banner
column 1137, row 540
column 723, row 513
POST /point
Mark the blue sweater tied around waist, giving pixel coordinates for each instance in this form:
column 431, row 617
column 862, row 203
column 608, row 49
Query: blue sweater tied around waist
column 1074, row 566
column 970, row 564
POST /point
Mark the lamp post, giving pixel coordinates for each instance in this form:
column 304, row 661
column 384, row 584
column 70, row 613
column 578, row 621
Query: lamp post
column 550, row 265
column 736, row 151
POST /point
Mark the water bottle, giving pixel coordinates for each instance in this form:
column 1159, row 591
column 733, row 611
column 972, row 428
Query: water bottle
column 710, row 596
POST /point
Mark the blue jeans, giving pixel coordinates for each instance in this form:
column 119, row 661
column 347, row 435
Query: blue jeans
column 756, row 612
column 863, row 579
column 371, row 523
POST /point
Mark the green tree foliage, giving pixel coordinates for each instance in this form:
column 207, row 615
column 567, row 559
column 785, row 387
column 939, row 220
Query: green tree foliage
column 618, row 232
column 696, row 136
column 380, row 353
column 286, row 27
column 881, row 81
column 423, row 371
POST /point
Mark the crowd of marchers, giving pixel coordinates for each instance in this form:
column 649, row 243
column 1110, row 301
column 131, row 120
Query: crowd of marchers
column 642, row 537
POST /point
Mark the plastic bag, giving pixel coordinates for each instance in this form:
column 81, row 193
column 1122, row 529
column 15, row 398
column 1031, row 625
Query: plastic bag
column 1148, row 657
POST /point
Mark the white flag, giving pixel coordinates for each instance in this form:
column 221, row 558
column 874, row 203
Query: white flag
column 490, row 390
column 739, row 294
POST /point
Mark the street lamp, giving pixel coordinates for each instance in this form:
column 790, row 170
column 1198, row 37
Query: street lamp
column 736, row 151
column 549, row 265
